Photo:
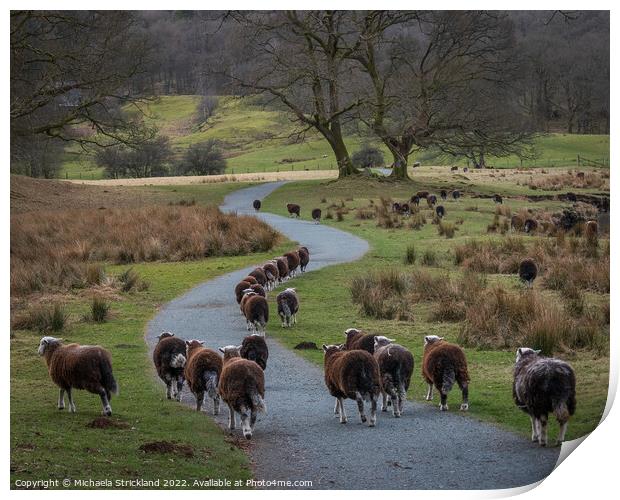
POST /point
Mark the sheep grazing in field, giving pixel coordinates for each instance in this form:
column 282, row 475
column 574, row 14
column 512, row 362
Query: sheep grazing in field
column 256, row 204
column 352, row 375
column 591, row 230
column 516, row 223
column 293, row 210
column 240, row 288
column 395, row 367
column 273, row 275
column 542, row 386
column 169, row 357
column 75, row 366
column 250, row 279
column 498, row 199
column 456, row 194
column 431, row 200
column 242, row 387
column 465, row 169
column 288, row 306
column 304, row 258
column 415, row 200
column 528, row 271
column 259, row 275
column 316, row 215
column 454, row 169
column 405, row 210
column 530, row 225
column 356, row 339
column 256, row 311
column 442, row 365
column 581, row 175
column 571, row 197
column 444, row 194
column 440, row 211
column 292, row 259
column 202, row 372
column 255, row 349
column 283, row 271
column 396, row 207
column 422, row 194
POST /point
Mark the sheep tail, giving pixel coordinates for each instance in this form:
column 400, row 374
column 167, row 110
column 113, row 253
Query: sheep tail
column 286, row 310
column 178, row 361
column 560, row 410
column 107, row 378
column 448, row 380
column 210, row 378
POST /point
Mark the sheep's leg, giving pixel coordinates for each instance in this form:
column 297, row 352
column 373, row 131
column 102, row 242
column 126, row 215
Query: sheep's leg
column 179, row 388
column 562, row 434
column 199, row 400
column 534, row 428
column 168, row 389
column 429, row 392
column 216, row 405
column 245, row 424
column 443, row 405
column 337, row 408
column 360, row 406
column 253, row 416
column 542, row 437
column 61, row 399
column 231, row 417
column 107, row 409
column 343, row 413
column 465, row 403
column 384, row 403
column 373, row 411
column 395, row 404
column 71, row 403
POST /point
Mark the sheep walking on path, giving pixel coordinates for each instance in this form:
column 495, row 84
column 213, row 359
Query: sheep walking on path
column 316, row 215
column 541, row 386
column 293, row 210
column 395, row 367
column 356, row 339
column 242, row 387
column 169, row 357
column 353, row 375
column 292, row 259
column 288, row 306
column 202, row 372
column 283, row 271
column 255, row 349
column 256, row 311
column 304, row 258
column 256, row 204
column 74, row 366
column 442, row 365
column 273, row 275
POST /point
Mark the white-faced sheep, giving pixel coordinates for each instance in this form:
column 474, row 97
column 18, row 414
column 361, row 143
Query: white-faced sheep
column 256, row 204
column 271, row 271
column 316, row 215
column 528, row 271
column 456, row 194
column 74, row 366
column 242, row 387
column 293, row 209
column 304, row 258
column 292, row 258
column 541, row 386
column 356, row 339
column 444, row 194
column 353, row 375
column 440, row 211
column 169, row 357
column 256, row 311
column 283, row 271
column 431, row 200
column 395, row 367
column 255, row 349
column 442, row 365
column 202, row 372
column 288, row 306
column 530, row 225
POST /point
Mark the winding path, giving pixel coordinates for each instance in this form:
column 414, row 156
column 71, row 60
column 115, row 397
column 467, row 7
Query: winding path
column 299, row 438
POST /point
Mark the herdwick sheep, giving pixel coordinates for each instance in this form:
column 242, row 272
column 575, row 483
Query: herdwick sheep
column 256, row 205
column 440, row 211
column 415, row 200
column 256, row 311
column 356, row 339
column 498, row 199
column 202, row 372
column 591, row 230
column 304, row 258
column 530, row 225
column 528, row 271
column 283, row 271
column 271, row 271
column 431, row 200
column 258, row 290
column 259, row 275
column 405, row 210
column 395, row 367
column 169, row 357
column 74, row 366
column 396, row 207
column 454, row 169
column 422, row 194
column 242, row 387
column 240, row 288
column 292, row 259
column 516, row 223
column 456, row 194
column 571, row 197
column 250, row 279
column 444, row 194
column 316, row 215
column 541, row 386
column 255, row 349
column 465, row 169
column 352, row 375
column 293, row 210
column 288, row 306
column 442, row 365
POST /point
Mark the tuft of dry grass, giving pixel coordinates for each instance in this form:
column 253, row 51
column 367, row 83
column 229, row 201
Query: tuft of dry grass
column 42, row 318
column 588, row 180
column 381, row 295
column 446, row 229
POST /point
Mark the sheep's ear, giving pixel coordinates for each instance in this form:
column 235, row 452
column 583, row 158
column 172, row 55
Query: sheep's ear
column 202, row 342
column 520, row 351
column 187, row 342
column 440, row 338
column 538, row 351
column 221, row 350
column 324, row 348
column 426, row 339
column 391, row 340
column 239, row 347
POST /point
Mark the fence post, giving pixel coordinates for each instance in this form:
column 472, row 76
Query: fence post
column 578, row 161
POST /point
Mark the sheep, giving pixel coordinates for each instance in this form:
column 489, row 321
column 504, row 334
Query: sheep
column 396, row 207
column 405, row 210
column 415, row 200
column 259, row 275
column 352, row 375
column 431, row 200
column 258, row 290
column 465, row 169
column 528, row 271
column 288, row 306
column 591, row 231
column 74, row 366
column 255, row 349
column 416, row 164
column 202, row 372
column 456, row 194
column 292, row 259
column 440, row 211
column 541, row 386
column 571, row 197
column 454, row 169
column 240, row 288
column 242, row 387
column 516, row 223
column 581, row 175
column 169, row 358
column 444, row 194
column 250, row 279
column 498, row 199
column 256, row 311
column 304, row 258
column 283, row 272
column 316, row 215
column 356, row 339
column 443, row 364
column 422, row 194
column 273, row 275
column 395, row 367
column 293, row 210
column 256, row 205
column 530, row 225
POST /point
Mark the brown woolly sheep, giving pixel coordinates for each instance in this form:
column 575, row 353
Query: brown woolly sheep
column 422, row 194
column 530, row 225
column 259, row 275
column 528, row 271
column 304, row 258
column 239, row 289
column 396, row 207
column 293, row 209
column 255, row 349
column 292, row 258
column 516, row 223
column 591, row 230
column 444, row 194
column 258, row 290
column 256, row 311
column 415, row 200
column 282, row 263
column 242, row 387
column 498, row 199
column 271, row 271
column 395, row 367
column 443, row 364
column 440, row 211
column 456, row 194
column 250, row 279
column 288, row 306
column 74, row 366
column 454, row 169
column 256, row 204
column 356, row 339
column 431, row 200
column 169, row 358
column 352, row 375
column 541, row 386
column 316, row 215
column 202, row 373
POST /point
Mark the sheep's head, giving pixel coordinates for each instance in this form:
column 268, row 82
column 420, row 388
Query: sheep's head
column 350, row 332
column 249, row 291
column 46, row 342
column 164, row 335
column 291, row 290
column 230, row 351
column 431, row 339
column 526, row 351
column 190, row 345
column 381, row 341
column 328, row 349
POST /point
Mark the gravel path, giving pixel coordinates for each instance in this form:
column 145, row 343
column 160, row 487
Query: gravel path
column 300, row 439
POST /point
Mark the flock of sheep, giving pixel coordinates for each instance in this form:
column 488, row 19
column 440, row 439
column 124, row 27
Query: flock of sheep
column 363, row 368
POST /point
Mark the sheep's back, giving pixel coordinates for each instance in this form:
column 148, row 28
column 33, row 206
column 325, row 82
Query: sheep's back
column 351, row 371
column 363, row 341
column 239, row 378
column 395, row 359
column 438, row 359
column 201, row 361
column 543, row 383
column 254, row 348
column 79, row 367
column 163, row 353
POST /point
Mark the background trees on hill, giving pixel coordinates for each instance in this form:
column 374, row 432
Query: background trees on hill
column 204, row 158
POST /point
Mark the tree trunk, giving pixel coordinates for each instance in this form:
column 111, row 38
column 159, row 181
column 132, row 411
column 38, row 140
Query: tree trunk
column 399, row 167
column 400, row 152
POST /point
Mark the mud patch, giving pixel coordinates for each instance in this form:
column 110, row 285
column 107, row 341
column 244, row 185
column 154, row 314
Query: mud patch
column 306, row 345
column 107, row 423
column 184, row 450
column 239, row 442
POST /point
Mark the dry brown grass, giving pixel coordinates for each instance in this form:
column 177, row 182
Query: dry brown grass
column 570, row 179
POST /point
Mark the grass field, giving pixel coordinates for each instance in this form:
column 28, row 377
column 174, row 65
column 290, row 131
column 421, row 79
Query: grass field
column 255, row 139
column 491, row 370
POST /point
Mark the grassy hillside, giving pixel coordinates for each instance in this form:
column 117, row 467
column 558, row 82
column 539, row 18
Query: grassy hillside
column 256, row 139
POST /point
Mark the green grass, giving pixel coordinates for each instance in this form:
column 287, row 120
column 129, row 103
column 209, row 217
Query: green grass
column 491, row 370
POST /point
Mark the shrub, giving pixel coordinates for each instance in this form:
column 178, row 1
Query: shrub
column 329, row 215
column 130, row 280
column 339, row 215
column 365, row 213
column 416, row 221
column 368, row 157
column 95, row 274
column 446, row 229
column 429, row 257
column 99, row 310
column 381, row 295
column 50, row 318
column 410, row 254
